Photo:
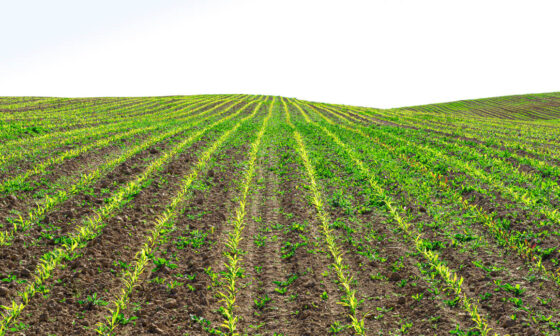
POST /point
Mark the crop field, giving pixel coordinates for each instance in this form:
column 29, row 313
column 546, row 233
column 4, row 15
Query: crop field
column 266, row 215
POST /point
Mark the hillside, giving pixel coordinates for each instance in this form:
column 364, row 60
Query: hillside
column 266, row 215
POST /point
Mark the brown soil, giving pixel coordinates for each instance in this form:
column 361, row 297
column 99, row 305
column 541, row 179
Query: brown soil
column 161, row 309
column 287, row 285
column 70, row 214
column 97, row 268
column 276, row 205
column 511, row 268
column 387, row 293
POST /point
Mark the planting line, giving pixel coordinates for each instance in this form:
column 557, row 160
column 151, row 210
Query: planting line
column 536, row 163
column 62, row 120
column 455, row 120
column 498, row 129
column 489, row 150
column 470, row 210
column 65, row 134
column 82, row 134
column 87, row 179
column 45, row 113
column 75, row 135
column 131, row 278
column 507, row 141
column 509, row 191
column 92, row 227
column 47, row 136
column 163, row 112
column 525, row 250
column 517, row 135
column 234, row 257
column 6, row 103
column 507, row 168
column 411, row 234
column 348, row 299
column 17, row 181
column 115, row 115
column 549, row 212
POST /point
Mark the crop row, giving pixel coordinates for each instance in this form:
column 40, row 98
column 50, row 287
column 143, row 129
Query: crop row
column 91, row 228
column 268, row 215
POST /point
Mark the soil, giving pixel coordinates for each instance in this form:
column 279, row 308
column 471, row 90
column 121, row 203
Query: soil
column 379, row 284
column 512, row 269
column 287, row 284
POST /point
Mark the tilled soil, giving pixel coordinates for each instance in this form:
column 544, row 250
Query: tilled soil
column 103, row 260
column 286, row 284
column 278, row 204
column 178, row 299
column 71, row 212
column 510, row 269
column 373, row 250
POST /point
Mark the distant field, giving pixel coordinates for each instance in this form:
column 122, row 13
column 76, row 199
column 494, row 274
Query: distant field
column 262, row 215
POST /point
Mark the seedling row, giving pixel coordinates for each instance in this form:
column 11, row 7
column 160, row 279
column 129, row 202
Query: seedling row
column 262, row 215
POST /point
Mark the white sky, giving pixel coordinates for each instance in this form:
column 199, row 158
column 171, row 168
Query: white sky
column 373, row 53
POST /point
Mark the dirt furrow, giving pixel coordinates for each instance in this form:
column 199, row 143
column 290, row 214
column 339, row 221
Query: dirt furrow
column 283, row 293
column 59, row 223
column 177, row 298
column 101, row 262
